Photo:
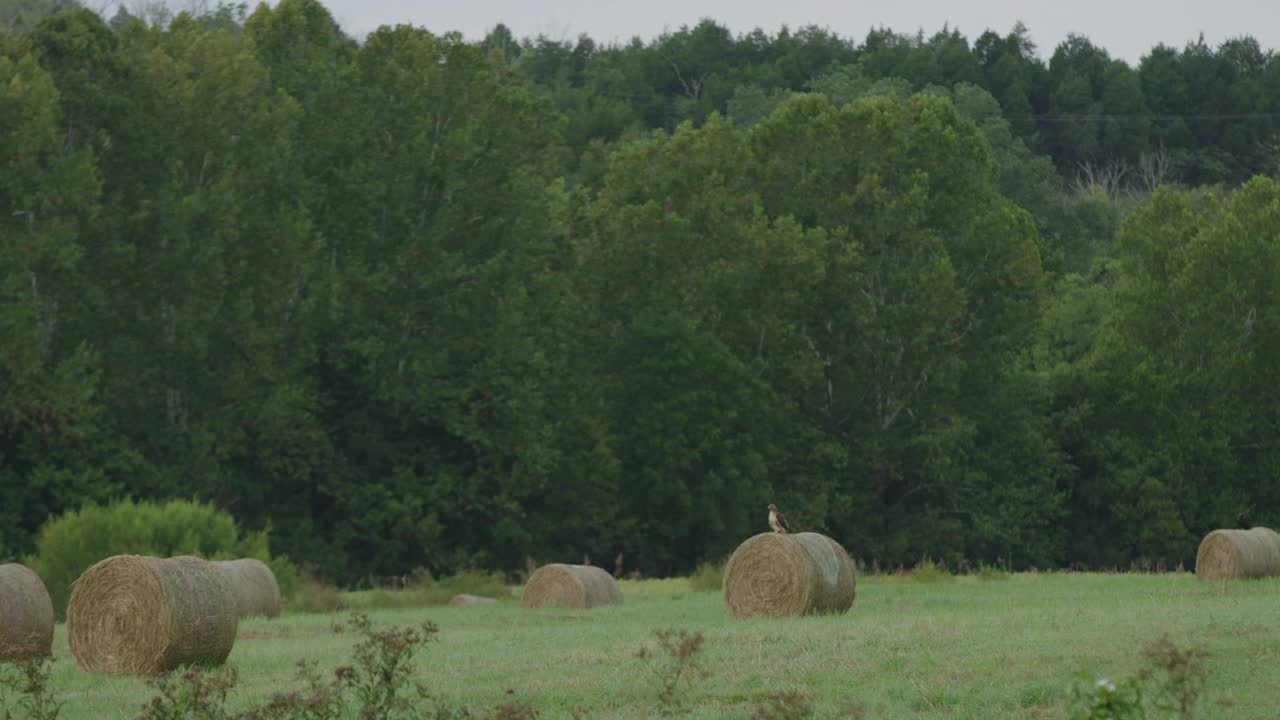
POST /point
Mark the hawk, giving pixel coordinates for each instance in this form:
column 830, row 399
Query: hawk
column 1242, row 522
column 777, row 520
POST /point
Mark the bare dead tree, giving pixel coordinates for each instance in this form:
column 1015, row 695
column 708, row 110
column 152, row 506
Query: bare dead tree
column 1153, row 169
column 1108, row 178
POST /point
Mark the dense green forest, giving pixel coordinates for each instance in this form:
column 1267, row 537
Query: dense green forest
column 419, row 301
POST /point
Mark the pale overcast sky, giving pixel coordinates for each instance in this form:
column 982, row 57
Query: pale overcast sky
column 1126, row 28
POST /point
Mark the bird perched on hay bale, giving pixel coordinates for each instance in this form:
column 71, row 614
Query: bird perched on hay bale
column 781, row 574
column 1242, row 522
column 777, row 521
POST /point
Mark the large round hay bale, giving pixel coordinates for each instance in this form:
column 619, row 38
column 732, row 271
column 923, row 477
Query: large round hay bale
column 573, row 586
column 137, row 615
column 1230, row 554
column 26, row 614
column 774, row 575
column 255, row 586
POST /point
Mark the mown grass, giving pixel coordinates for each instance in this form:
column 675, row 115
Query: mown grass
column 959, row 648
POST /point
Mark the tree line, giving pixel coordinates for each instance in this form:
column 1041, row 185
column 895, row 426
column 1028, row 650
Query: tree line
column 419, row 301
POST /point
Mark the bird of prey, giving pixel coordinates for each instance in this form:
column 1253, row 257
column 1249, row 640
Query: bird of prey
column 1242, row 522
column 777, row 521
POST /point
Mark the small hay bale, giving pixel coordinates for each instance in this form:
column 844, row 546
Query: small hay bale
column 1231, row 554
column 137, row 615
column 774, row 575
column 465, row 599
column 573, row 586
column 26, row 614
column 255, row 586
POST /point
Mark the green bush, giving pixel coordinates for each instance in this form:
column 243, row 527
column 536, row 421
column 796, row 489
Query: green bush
column 928, row 571
column 708, row 576
column 67, row 545
column 989, row 573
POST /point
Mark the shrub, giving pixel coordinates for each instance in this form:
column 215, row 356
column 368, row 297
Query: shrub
column 708, row 576
column 676, row 660
column 928, row 571
column 27, row 682
column 1171, row 685
column 288, row 576
column 314, row 596
column 988, row 573
column 67, row 545
column 196, row 693
column 377, row 685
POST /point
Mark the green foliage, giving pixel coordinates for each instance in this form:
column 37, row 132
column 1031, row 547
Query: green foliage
column 67, row 545
column 987, row 573
column 20, row 15
column 197, row 693
column 313, row 595
column 374, row 684
column 927, row 571
column 676, row 660
column 26, row 692
column 1109, row 699
column 1172, row 684
column 708, row 576
column 406, row 300
column 57, row 448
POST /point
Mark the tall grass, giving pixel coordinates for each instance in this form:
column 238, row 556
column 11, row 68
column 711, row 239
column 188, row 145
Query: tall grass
column 425, row 591
column 708, row 576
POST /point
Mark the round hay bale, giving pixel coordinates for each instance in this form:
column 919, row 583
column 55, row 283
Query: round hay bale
column 255, row 586
column 26, row 614
column 137, row 615
column 1231, row 554
column 774, row 575
column 574, row 586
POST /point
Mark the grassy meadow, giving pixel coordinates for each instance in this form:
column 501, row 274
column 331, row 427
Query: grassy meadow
column 1010, row 647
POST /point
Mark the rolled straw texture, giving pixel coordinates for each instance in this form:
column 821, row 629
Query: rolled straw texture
column 1231, row 554
column 137, row 615
column 572, row 586
column 773, row 575
column 26, row 614
column 255, row 586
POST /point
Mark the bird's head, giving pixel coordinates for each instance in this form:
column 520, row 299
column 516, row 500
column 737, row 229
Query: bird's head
column 773, row 507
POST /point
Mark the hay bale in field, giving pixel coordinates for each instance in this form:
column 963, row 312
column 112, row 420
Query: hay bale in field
column 774, row 575
column 255, row 586
column 26, row 614
column 465, row 599
column 1230, row 554
column 573, row 586
column 137, row 615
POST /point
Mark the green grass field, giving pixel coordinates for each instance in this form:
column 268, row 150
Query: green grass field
column 962, row 648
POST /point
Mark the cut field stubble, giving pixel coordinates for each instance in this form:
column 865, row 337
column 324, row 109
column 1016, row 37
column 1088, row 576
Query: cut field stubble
column 1009, row 649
